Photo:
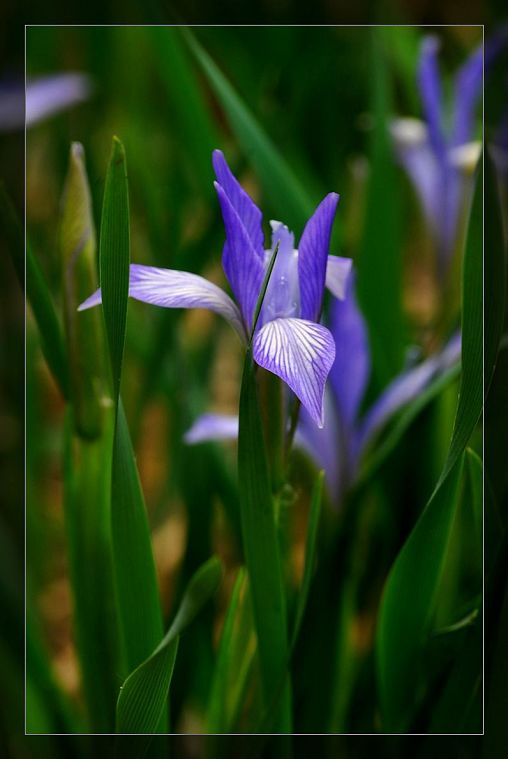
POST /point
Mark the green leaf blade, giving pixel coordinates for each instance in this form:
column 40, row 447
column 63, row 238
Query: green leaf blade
column 261, row 550
column 145, row 691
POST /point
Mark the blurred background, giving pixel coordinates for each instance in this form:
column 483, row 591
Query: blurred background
column 311, row 90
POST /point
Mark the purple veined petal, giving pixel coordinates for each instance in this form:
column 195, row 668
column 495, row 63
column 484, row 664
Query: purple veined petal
column 313, row 257
column 52, row 94
column 337, row 274
column 301, row 353
column 176, row 289
column 351, row 369
column 243, row 204
column 210, row 427
column 282, row 296
column 429, row 82
column 406, row 388
column 242, row 265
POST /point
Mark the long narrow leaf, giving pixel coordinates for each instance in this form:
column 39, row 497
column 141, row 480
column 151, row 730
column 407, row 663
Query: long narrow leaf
column 279, row 182
column 410, row 592
column 261, row 549
column 310, row 554
column 136, row 582
column 37, row 293
column 380, row 261
column 144, row 693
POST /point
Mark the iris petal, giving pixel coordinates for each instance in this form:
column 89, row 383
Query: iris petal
column 301, row 353
column 176, row 289
column 210, row 427
column 242, row 265
column 243, row 204
column 313, row 257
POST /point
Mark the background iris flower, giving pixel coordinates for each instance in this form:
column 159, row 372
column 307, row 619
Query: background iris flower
column 438, row 153
column 288, row 340
column 43, row 97
column 338, row 446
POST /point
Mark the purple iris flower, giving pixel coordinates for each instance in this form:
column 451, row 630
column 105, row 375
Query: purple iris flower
column 288, row 339
column 438, row 160
column 43, row 98
column 339, row 445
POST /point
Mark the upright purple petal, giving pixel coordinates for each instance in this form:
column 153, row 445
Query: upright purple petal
column 350, row 371
column 176, row 289
column 430, row 88
column 243, row 266
column 313, row 257
column 338, row 271
column 243, row 204
column 209, row 427
column 301, row 353
column 468, row 86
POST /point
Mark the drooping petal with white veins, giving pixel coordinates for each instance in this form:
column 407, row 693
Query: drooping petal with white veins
column 209, row 427
column 313, row 257
column 177, row 289
column 244, row 268
column 243, row 204
column 301, row 353
column 337, row 272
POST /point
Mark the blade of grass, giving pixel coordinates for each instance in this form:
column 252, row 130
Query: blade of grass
column 144, row 693
column 279, row 183
column 405, row 616
column 380, row 260
column 135, row 577
column 261, row 548
column 37, row 293
column 310, row 554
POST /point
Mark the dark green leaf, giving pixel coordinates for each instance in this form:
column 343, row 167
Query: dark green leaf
column 495, row 270
column 37, row 293
column 380, row 260
column 408, row 603
column 144, row 693
column 115, row 258
column 310, row 554
column 279, row 182
column 261, row 550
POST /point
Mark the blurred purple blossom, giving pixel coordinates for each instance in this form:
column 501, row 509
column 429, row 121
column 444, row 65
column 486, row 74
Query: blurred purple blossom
column 287, row 339
column 44, row 97
column 440, row 162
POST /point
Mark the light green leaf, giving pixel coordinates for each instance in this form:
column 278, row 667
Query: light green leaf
column 85, row 339
column 144, row 693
